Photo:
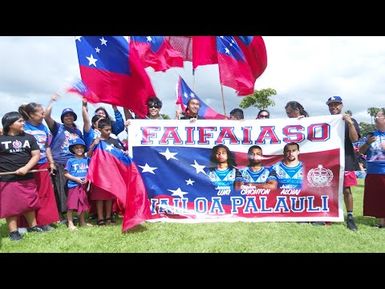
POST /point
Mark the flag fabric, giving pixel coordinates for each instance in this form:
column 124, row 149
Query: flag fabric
column 156, row 52
column 204, row 50
column 80, row 88
column 234, row 70
column 183, row 44
column 184, row 94
column 254, row 50
column 114, row 72
column 112, row 170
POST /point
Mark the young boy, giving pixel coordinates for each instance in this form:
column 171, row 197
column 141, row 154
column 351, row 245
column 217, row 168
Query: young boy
column 76, row 172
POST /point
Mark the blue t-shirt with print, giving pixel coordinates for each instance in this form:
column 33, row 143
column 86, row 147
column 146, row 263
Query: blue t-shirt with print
column 43, row 137
column 78, row 168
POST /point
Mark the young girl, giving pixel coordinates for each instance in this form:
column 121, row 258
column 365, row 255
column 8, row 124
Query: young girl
column 103, row 198
column 19, row 153
column 76, row 172
column 33, row 114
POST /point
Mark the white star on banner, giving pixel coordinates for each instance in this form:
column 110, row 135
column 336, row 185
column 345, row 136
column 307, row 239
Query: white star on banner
column 103, row 41
column 91, row 60
column 79, row 38
column 169, row 155
column 97, row 49
column 192, row 95
column 147, row 169
column 199, row 168
column 149, row 39
column 189, row 182
column 185, row 94
column 178, row 193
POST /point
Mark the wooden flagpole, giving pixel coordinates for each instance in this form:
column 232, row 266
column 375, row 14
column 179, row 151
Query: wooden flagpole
column 31, row 171
column 223, row 100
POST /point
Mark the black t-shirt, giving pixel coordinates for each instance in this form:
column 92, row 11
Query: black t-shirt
column 351, row 163
column 15, row 152
column 188, row 116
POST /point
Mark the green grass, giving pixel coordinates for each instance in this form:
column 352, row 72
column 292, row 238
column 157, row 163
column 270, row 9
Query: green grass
column 209, row 237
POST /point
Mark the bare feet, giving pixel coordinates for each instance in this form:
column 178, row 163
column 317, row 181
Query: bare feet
column 72, row 227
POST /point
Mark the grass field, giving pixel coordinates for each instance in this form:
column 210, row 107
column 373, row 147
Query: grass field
column 209, row 237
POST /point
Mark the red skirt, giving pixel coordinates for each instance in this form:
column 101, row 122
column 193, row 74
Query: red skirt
column 374, row 196
column 77, row 199
column 48, row 212
column 18, row 197
column 98, row 194
column 350, row 179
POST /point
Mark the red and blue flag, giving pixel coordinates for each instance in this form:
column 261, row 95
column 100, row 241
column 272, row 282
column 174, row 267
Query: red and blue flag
column 184, row 94
column 254, row 50
column 156, row 52
column 234, row 70
column 80, row 88
column 114, row 72
column 114, row 171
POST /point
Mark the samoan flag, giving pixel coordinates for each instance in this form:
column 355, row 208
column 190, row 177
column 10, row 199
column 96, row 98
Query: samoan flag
column 184, row 94
column 80, row 88
column 204, row 50
column 112, row 170
column 156, row 52
column 234, row 70
column 255, row 52
column 114, row 72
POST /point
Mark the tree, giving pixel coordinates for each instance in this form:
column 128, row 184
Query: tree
column 165, row 116
column 372, row 111
column 365, row 128
column 259, row 99
column 349, row 112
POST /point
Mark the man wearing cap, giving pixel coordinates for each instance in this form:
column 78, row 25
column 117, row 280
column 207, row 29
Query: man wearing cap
column 62, row 134
column 352, row 134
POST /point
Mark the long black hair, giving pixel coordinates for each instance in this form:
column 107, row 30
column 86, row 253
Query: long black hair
column 230, row 157
column 27, row 109
column 8, row 119
column 296, row 105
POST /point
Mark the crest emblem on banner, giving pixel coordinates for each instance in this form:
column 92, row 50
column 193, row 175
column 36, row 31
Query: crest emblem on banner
column 320, row 176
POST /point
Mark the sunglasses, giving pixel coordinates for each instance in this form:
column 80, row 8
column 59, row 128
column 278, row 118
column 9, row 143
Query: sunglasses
column 263, row 116
column 153, row 106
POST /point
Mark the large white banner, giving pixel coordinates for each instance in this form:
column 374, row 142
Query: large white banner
column 189, row 178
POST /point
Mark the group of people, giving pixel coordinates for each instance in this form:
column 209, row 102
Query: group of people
column 374, row 148
column 43, row 168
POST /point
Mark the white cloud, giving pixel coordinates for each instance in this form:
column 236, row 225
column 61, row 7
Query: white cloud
column 305, row 69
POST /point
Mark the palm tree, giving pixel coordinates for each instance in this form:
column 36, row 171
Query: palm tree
column 372, row 111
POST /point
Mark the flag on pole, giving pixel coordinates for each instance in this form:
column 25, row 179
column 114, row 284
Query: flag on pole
column 234, row 70
column 254, row 50
column 114, row 72
column 184, row 94
column 156, row 52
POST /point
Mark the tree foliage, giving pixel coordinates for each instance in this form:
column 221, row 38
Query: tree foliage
column 372, row 111
column 165, row 116
column 365, row 128
column 259, row 99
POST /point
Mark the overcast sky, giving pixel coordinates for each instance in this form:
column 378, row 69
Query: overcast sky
column 306, row 69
